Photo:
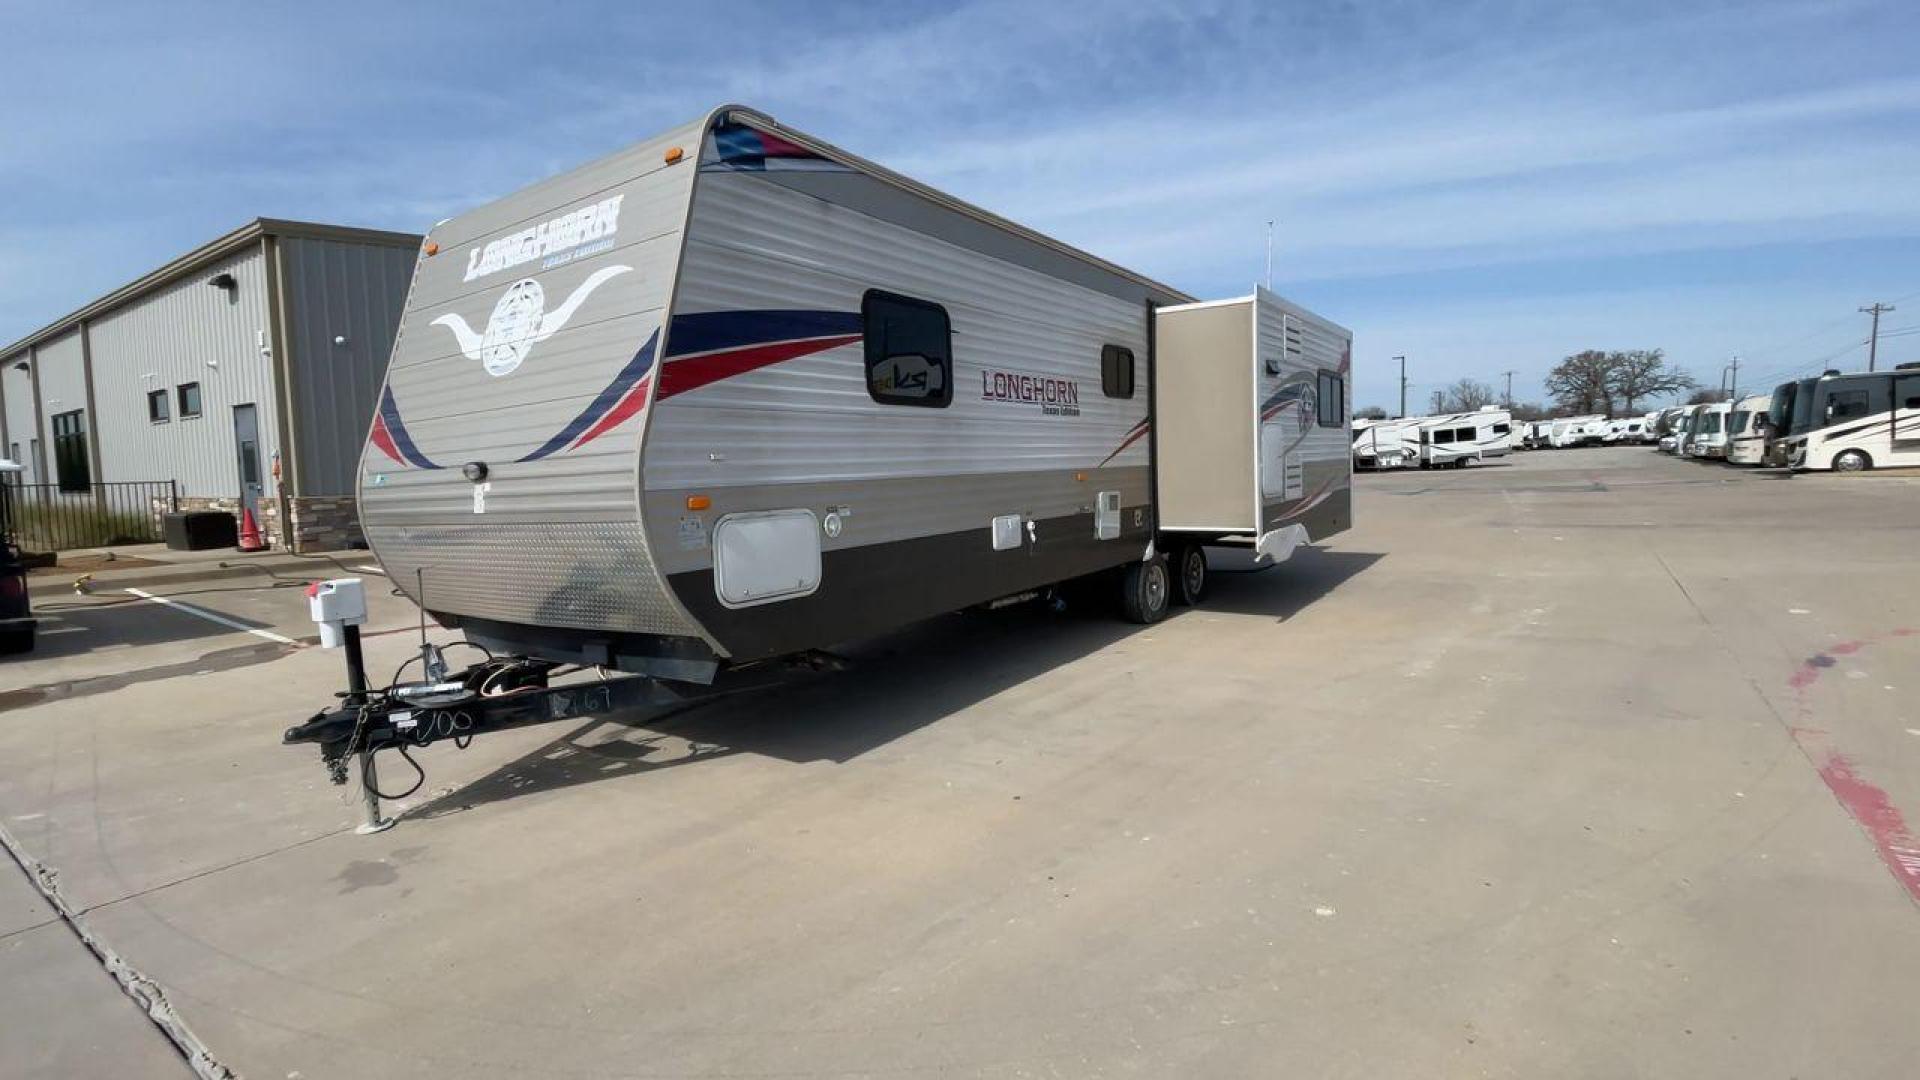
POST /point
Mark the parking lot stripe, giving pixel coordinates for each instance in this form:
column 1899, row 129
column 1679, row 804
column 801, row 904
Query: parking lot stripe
column 371, row 570
column 211, row 616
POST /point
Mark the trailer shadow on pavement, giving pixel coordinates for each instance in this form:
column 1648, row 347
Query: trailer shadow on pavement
column 891, row 686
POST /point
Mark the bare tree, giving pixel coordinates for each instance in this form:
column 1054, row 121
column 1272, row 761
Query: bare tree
column 1583, row 382
column 1526, row 411
column 1707, row 397
column 1645, row 373
column 1466, row 396
column 1371, row 412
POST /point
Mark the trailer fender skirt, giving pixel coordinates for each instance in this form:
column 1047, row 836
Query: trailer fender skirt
column 1277, row 546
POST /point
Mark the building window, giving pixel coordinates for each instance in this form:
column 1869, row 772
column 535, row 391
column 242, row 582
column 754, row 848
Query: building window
column 157, row 407
column 70, row 451
column 1333, row 400
column 189, row 400
column 1116, row 371
column 909, row 347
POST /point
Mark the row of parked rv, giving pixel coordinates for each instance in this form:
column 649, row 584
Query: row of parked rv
column 1460, row 439
column 1845, row 423
column 1832, row 421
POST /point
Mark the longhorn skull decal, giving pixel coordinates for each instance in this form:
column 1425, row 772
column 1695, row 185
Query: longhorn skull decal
column 520, row 321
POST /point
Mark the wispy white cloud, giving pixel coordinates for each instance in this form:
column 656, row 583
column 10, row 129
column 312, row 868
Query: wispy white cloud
column 1428, row 163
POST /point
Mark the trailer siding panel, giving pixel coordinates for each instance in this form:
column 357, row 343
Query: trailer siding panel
column 185, row 332
column 338, row 288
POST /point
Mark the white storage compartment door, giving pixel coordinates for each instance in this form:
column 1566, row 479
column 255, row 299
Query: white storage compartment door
column 762, row 557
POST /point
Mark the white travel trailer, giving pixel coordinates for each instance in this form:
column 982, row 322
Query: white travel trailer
column 1747, row 430
column 1707, row 436
column 1388, row 444
column 1864, row 420
column 1625, row 431
column 1577, row 431
column 733, row 394
column 1465, row 438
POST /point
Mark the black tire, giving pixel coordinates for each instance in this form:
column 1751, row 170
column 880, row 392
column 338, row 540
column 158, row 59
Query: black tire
column 13, row 642
column 1189, row 574
column 1145, row 591
column 1852, row 461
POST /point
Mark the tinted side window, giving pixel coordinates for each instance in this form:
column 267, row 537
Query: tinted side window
column 1502, row 429
column 909, row 349
column 1443, row 435
column 1906, row 392
column 1847, row 404
column 1333, row 400
column 1116, row 371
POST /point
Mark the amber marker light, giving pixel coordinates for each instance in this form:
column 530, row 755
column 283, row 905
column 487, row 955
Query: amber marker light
column 675, row 154
column 432, row 248
column 1080, row 476
column 698, row 502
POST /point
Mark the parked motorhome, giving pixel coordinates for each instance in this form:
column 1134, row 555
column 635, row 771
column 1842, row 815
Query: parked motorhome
column 734, row 393
column 1747, row 430
column 1388, row 444
column 1679, row 425
column 1464, row 438
column 1858, row 421
column 1784, row 416
column 1708, row 435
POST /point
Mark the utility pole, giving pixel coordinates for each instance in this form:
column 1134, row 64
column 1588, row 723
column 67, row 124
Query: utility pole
column 1509, row 398
column 1269, row 254
column 1403, row 387
column 1873, row 341
column 1730, row 379
column 1438, row 399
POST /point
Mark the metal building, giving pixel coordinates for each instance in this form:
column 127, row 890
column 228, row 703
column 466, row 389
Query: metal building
column 244, row 372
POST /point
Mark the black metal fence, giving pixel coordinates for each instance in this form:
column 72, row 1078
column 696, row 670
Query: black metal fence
column 49, row 517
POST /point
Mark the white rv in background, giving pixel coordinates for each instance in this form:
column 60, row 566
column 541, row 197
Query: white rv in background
column 1747, row 430
column 1577, row 431
column 1387, row 444
column 1864, row 420
column 1465, row 438
column 1621, row 432
column 1708, row 438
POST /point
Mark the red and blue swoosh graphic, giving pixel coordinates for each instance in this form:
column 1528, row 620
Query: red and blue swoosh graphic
column 706, row 347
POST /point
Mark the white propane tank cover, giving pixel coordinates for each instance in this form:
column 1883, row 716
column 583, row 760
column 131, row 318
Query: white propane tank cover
column 335, row 604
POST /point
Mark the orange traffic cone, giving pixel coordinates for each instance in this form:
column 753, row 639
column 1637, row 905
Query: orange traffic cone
column 250, row 538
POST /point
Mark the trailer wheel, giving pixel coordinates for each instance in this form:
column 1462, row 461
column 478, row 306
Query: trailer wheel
column 1190, row 578
column 1852, row 461
column 1145, row 591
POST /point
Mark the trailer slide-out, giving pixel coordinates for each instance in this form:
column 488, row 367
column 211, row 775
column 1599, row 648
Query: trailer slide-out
column 733, row 394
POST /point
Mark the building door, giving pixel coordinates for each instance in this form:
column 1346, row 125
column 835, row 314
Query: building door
column 246, row 441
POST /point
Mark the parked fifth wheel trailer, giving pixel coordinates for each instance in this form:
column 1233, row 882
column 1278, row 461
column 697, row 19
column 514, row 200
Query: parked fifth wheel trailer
column 1387, row 444
column 733, row 394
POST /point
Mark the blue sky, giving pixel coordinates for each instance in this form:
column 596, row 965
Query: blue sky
column 1481, row 186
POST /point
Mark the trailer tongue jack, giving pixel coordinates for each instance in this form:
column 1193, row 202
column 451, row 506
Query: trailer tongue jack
column 495, row 694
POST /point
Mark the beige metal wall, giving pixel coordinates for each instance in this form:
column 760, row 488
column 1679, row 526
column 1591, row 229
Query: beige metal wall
column 1203, row 413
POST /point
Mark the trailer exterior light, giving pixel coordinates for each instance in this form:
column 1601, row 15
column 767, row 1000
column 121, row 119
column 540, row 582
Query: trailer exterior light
column 475, row 471
column 431, row 249
column 698, row 502
column 674, row 154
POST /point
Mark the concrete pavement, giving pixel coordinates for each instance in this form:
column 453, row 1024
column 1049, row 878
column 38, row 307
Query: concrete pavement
column 1592, row 764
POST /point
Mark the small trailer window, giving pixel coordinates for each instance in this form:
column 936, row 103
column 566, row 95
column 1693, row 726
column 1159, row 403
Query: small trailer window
column 1333, row 400
column 1116, row 371
column 1501, row 429
column 1847, row 404
column 909, row 346
column 1443, row 435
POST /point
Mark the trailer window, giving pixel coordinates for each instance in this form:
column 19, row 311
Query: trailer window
column 1443, row 435
column 909, row 347
column 1906, row 391
column 1333, row 400
column 1502, row 429
column 1116, row 370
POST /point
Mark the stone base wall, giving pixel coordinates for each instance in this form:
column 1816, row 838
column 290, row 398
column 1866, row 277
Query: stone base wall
column 319, row 523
